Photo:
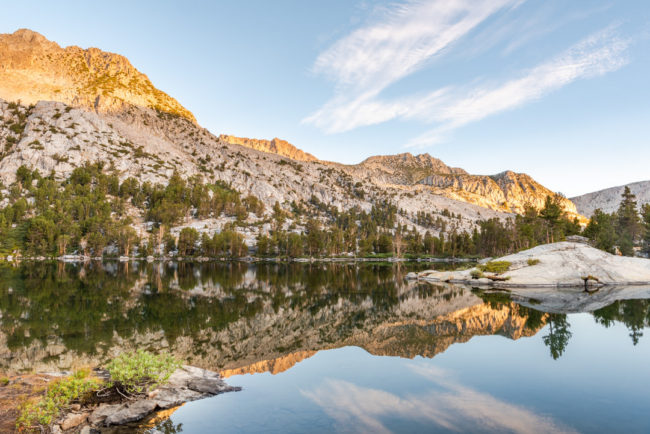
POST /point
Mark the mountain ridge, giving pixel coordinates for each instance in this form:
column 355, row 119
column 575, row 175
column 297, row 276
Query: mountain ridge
column 146, row 134
column 609, row 199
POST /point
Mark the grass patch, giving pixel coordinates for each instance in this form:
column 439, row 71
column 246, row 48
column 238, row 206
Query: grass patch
column 497, row 267
column 533, row 261
column 60, row 394
column 476, row 274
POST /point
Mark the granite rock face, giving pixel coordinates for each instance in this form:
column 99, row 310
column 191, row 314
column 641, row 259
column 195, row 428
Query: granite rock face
column 564, row 264
column 36, row 69
column 186, row 384
column 275, row 146
column 609, row 199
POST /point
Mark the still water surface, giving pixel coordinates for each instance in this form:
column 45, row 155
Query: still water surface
column 345, row 348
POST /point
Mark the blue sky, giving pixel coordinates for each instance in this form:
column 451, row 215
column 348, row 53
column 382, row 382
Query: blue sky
column 557, row 89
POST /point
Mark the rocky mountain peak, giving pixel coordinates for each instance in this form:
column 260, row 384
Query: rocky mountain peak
column 34, row 69
column 408, row 168
column 31, row 37
column 275, row 146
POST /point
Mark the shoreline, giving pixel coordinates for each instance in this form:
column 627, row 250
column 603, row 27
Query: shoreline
column 248, row 259
column 186, row 384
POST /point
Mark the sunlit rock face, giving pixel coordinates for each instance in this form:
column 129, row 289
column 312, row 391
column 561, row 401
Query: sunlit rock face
column 507, row 191
column 275, row 146
column 36, row 69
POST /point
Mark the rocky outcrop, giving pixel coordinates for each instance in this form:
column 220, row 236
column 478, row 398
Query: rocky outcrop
column 275, row 146
column 564, row 264
column 507, row 191
column 609, row 199
column 184, row 385
column 34, row 69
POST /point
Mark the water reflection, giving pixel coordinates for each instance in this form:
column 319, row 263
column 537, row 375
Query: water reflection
column 241, row 318
column 277, row 318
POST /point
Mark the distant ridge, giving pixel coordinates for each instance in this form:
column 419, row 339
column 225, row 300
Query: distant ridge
column 275, row 146
column 507, row 191
column 609, row 199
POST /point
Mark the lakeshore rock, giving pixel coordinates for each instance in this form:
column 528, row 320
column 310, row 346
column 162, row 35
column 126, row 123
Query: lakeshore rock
column 564, row 264
column 185, row 384
column 73, row 420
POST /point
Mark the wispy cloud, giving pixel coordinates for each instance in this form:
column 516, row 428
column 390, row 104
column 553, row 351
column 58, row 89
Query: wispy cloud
column 598, row 54
column 401, row 42
column 408, row 36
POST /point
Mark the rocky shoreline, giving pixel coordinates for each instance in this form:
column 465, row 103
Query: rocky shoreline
column 186, row 384
column 79, row 259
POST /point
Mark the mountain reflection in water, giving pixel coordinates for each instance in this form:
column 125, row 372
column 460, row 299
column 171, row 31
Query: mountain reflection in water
column 277, row 320
column 243, row 318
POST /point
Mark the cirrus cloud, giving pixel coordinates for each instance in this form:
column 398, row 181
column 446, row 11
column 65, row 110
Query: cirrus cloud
column 408, row 37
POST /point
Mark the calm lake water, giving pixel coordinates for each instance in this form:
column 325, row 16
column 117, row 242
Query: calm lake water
column 344, row 348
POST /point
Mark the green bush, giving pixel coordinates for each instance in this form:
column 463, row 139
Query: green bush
column 532, row 261
column 59, row 395
column 137, row 372
column 497, row 267
column 476, row 274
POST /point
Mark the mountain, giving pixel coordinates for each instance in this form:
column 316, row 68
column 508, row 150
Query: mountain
column 505, row 192
column 609, row 199
column 63, row 107
column 403, row 169
column 275, row 146
column 34, row 69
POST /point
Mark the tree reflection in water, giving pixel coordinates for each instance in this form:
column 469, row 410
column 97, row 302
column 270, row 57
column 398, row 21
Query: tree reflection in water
column 90, row 308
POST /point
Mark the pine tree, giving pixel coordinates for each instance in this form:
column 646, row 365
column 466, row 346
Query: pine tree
column 645, row 213
column 628, row 222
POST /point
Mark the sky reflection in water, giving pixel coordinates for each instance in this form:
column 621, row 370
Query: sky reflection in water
column 354, row 348
column 489, row 384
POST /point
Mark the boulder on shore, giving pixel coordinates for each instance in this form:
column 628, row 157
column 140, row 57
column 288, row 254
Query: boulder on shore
column 564, row 264
column 186, row 384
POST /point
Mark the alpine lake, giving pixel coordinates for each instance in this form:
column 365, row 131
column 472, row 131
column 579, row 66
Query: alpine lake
column 343, row 347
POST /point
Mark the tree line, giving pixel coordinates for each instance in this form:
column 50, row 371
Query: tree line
column 624, row 229
column 92, row 213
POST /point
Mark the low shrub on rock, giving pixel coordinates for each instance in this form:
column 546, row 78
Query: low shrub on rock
column 59, row 395
column 497, row 267
column 134, row 373
column 131, row 374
